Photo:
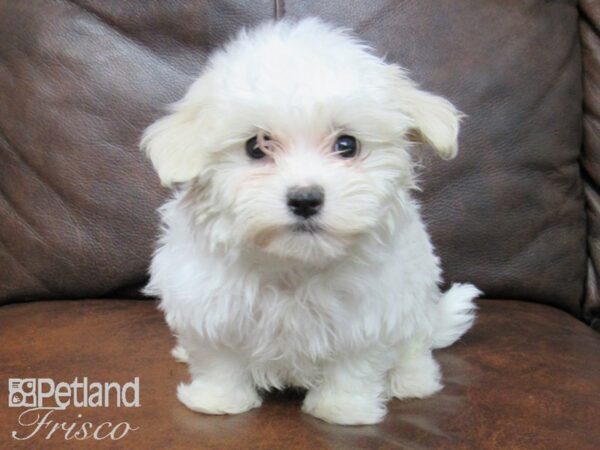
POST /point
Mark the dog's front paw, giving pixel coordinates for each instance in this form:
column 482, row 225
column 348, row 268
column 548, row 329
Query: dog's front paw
column 209, row 398
column 344, row 408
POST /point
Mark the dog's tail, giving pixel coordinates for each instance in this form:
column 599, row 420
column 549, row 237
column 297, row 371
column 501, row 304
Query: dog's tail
column 455, row 314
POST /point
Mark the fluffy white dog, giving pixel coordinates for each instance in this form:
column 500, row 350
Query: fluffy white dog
column 292, row 252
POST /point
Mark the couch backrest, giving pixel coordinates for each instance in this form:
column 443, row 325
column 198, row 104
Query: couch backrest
column 78, row 84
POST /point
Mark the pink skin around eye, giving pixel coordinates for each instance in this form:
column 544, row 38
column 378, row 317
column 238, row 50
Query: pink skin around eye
column 265, row 142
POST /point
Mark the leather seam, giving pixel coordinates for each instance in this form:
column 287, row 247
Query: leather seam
column 279, row 9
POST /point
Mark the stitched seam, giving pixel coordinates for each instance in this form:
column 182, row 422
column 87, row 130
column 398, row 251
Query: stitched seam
column 587, row 309
column 279, row 9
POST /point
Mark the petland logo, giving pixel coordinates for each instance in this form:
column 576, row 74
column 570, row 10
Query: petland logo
column 44, row 398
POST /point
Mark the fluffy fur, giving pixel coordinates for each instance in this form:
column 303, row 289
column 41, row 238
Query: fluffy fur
column 349, row 309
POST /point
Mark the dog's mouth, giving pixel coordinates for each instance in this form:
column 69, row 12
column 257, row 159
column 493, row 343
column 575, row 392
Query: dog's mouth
column 306, row 226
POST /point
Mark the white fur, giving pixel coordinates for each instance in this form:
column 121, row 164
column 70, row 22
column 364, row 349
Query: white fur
column 180, row 354
column 350, row 312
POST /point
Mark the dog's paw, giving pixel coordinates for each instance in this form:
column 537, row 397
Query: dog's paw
column 344, row 408
column 416, row 377
column 209, row 398
column 180, row 354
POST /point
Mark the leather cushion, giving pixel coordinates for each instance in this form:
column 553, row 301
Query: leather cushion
column 79, row 81
column 526, row 376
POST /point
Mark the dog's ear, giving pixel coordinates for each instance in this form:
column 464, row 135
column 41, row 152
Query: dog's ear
column 178, row 144
column 434, row 119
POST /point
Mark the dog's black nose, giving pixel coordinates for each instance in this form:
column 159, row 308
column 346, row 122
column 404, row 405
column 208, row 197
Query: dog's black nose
column 305, row 201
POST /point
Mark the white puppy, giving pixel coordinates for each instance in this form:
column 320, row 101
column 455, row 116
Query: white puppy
column 292, row 252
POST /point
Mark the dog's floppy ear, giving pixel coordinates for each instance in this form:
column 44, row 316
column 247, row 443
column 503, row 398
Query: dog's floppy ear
column 178, row 144
column 435, row 120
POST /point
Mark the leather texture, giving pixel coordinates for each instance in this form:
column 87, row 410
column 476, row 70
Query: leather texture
column 523, row 378
column 590, row 157
column 79, row 81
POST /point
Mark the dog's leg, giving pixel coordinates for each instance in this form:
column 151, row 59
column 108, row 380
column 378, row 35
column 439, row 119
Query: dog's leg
column 352, row 393
column 416, row 374
column 221, row 384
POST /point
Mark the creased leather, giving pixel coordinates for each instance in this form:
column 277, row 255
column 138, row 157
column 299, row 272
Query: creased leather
column 590, row 158
column 80, row 81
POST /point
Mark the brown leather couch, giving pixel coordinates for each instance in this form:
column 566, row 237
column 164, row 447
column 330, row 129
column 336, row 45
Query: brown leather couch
column 517, row 213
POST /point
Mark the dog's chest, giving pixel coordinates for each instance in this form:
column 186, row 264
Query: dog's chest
column 306, row 324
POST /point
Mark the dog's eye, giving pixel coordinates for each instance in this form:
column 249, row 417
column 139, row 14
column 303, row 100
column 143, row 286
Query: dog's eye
column 253, row 150
column 346, row 146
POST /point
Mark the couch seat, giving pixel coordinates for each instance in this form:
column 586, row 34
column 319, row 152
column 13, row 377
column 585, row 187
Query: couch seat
column 526, row 376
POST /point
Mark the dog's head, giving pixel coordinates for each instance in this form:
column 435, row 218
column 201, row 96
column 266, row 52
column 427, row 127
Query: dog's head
column 294, row 141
